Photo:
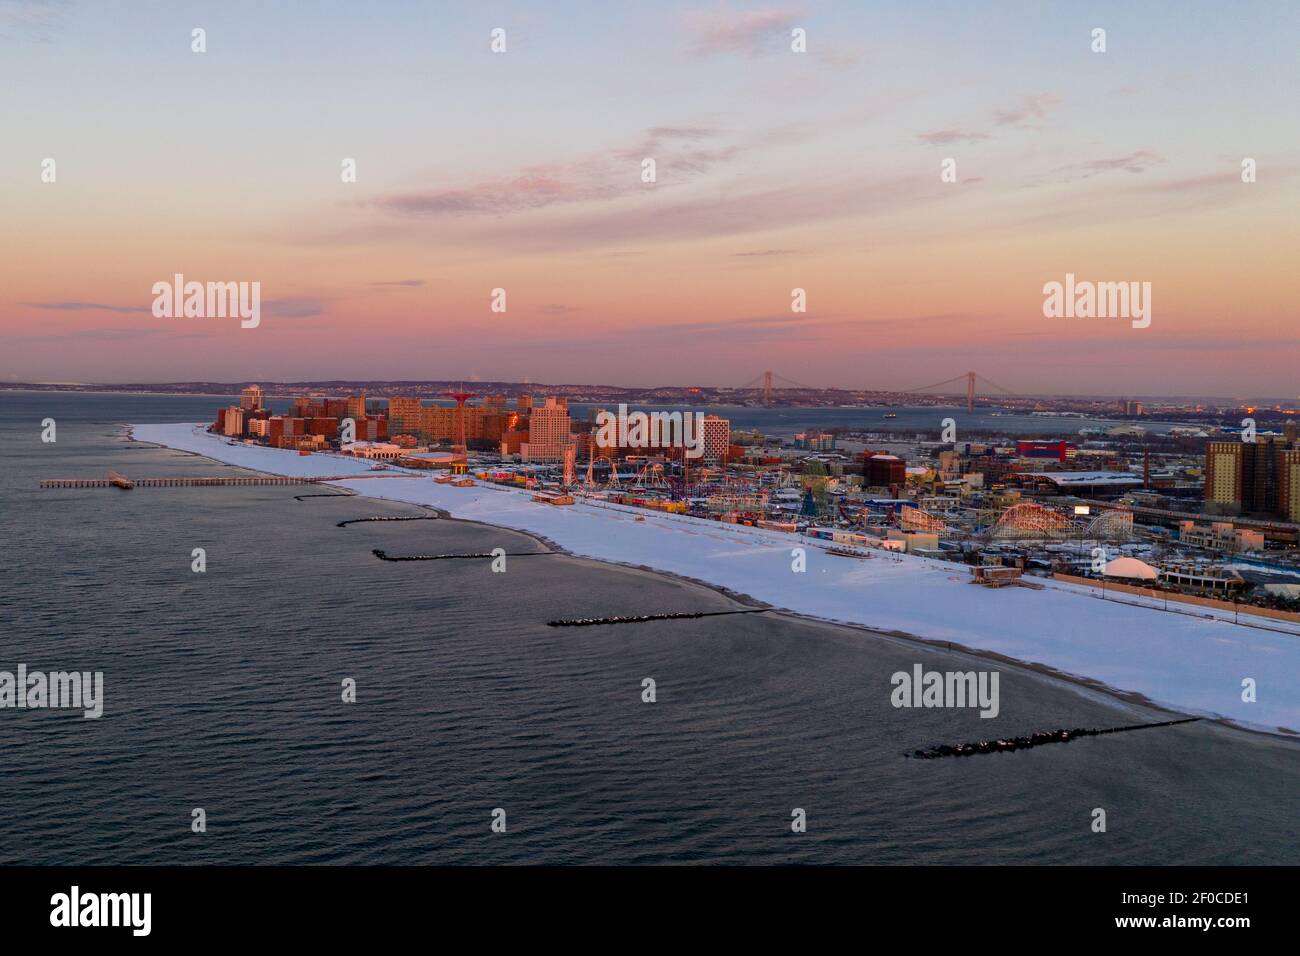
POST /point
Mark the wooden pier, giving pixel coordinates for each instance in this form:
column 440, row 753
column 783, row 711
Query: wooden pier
column 114, row 480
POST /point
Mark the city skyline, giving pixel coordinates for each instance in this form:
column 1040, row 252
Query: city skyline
column 586, row 435
column 948, row 395
column 776, row 171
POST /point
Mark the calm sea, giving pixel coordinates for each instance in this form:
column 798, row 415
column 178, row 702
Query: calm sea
column 908, row 420
column 222, row 692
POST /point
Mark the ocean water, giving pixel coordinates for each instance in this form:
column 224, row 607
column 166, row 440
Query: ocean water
column 909, row 420
column 223, row 691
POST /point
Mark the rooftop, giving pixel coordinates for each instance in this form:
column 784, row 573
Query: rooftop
column 1067, row 478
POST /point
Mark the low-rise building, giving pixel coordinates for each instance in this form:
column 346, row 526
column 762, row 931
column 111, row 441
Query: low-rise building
column 383, row 451
column 1220, row 536
column 914, row 541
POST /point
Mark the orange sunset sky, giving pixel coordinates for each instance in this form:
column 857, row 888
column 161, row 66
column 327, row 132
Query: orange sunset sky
column 775, row 170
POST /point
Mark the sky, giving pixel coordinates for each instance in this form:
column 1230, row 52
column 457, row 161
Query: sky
column 775, row 170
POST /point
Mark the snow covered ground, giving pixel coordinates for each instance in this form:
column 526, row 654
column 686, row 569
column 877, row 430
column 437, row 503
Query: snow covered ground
column 1194, row 661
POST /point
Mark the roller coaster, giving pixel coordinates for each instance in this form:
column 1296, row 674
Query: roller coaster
column 918, row 519
column 1111, row 526
column 1032, row 520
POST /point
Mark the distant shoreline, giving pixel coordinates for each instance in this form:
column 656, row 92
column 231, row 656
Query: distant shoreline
column 631, row 392
column 1047, row 426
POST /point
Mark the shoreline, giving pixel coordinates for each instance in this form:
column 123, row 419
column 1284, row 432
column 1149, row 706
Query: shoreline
column 1055, row 671
column 949, row 403
column 1075, row 682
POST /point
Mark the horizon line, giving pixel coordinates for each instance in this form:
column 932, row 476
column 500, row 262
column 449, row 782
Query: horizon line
column 116, row 386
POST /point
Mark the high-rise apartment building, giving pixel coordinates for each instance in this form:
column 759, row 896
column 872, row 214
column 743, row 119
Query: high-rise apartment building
column 1288, row 484
column 1261, row 475
column 815, row 441
column 1224, row 466
column 548, row 432
column 251, row 397
column 324, row 425
column 281, row 427
column 483, row 425
column 337, row 407
column 234, row 421
column 513, row 441
column 405, row 416
column 1246, row 477
column 716, row 438
column 370, row 429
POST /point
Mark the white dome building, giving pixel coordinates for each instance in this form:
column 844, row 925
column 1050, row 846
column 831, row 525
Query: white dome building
column 1132, row 569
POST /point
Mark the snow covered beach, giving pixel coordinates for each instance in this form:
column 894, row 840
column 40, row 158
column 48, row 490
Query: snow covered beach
column 1192, row 660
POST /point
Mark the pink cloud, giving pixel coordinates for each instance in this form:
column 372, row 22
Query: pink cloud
column 1135, row 162
column 1034, row 107
column 608, row 175
column 942, row 137
column 739, row 31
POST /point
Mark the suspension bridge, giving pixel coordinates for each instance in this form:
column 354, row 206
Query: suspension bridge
column 769, row 382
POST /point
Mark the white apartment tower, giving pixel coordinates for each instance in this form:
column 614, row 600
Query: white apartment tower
column 548, row 432
column 251, row 398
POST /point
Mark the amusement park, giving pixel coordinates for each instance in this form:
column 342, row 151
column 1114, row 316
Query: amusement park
column 1121, row 507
